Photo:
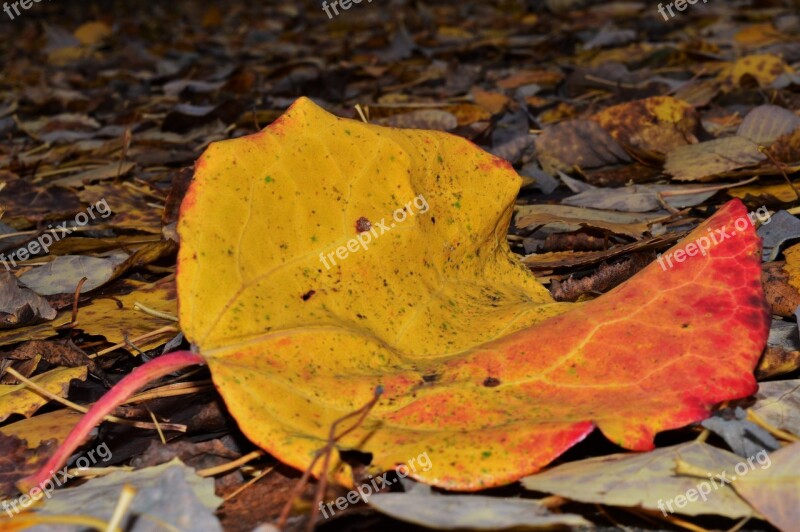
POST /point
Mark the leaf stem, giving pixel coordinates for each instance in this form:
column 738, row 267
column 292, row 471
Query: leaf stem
column 122, row 391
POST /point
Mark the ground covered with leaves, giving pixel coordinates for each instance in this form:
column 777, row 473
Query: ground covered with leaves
column 586, row 315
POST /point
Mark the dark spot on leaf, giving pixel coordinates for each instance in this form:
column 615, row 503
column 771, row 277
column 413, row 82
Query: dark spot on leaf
column 363, row 225
column 433, row 377
column 308, row 295
column 491, row 382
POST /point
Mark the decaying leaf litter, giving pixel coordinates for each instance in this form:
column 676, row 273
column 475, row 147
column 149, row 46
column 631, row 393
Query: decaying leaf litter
column 574, row 312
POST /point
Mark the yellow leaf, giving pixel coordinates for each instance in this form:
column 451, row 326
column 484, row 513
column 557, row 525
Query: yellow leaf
column 18, row 399
column 92, row 33
column 50, row 425
column 117, row 319
column 658, row 124
column 792, row 266
column 758, row 35
column 764, row 68
column 780, row 191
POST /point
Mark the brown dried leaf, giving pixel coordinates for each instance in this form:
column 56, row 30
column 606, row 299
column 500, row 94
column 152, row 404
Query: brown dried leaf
column 580, row 143
column 658, row 124
column 708, row 160
column 781, row 295
column 20, row 306
column 17, row 461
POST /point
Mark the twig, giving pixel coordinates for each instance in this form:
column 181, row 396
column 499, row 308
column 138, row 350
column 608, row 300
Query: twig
column 153, row 312
column 146, row 336
column 224, row 468
column 133, row 347
column 123, row 503
column 672, row 520
column 325, row 451
column 740, row 524
column 94, row 472
column 707, row 189
column 66, row 402
column 766, row 152
column 361, row 113
column 778, row 433
column 28, row 521
column 126, row 142
column 249, row 483
column 75, row 299
column 158, row 428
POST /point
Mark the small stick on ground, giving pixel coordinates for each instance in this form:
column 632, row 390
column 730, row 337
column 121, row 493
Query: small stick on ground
column 326, row 451
column 777, row 165
column 74, row 320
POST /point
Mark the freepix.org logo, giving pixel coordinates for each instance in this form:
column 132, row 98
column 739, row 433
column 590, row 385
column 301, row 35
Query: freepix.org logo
column 24, row 4
column 57, row 479
column 45, row 240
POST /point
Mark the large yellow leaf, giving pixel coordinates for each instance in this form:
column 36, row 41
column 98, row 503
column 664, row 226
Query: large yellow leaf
column 440, row 281
column 433, row 308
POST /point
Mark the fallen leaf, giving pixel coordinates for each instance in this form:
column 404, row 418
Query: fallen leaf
column 765, row 123
column 712, row 159
column 62, row 275
column 434, row 350
column 33, row 332
column 656, row 125
column 25, row 203
column 132, row 209
column 572, row 218
column 20, row 306
column 792, row 265
column 580, row 143
column 545, row 78
column 786, row 150
column 199, row 455
column 469, row 512
column 57, row 354
column 781, row 228
column 37, row 429
column 774, row 488
column 18, row 460
column 744, row 437
column 172, row 494
column 494, row 102
column 92, row 33
column 646, row 480
column 782, row 297
column 782, row 354
column 782, row 192
column 639, row 198
column 758, row 35
column 18, row 399
column 422, row 119
column 762, row 68
column 116, row 318
column 607, row 277
column 114, row 169
column 778, row 403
